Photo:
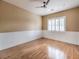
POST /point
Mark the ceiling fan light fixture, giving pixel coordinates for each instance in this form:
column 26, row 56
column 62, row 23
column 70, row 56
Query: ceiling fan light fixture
column 45, row 3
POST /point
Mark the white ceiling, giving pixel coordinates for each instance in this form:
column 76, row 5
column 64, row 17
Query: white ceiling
column 53, row 6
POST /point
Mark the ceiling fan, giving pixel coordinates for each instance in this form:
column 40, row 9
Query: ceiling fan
column 45, row 3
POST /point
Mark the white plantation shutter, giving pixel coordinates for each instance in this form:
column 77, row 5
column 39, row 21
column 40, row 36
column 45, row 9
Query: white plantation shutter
column 53, row 25
column 57, row 24
column 62, row 24
column 49, row 25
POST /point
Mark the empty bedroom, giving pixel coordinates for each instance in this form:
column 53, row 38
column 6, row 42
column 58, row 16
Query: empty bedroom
column 39, row 29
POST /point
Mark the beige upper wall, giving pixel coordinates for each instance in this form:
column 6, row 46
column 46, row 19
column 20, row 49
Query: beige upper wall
column 13, row 18
column 72, row 20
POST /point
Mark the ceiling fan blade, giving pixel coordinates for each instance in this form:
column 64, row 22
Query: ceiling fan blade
column 41, row 7
column 47, row 2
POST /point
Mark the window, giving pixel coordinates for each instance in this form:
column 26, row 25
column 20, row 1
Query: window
column 57, row 24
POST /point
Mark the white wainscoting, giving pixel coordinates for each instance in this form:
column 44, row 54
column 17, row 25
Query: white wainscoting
column 11, row 39
column 69, row 37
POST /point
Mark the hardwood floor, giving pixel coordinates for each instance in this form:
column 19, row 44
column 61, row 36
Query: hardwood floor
column 42, row 49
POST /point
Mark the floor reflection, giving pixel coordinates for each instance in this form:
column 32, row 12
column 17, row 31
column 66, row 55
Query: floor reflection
column 55, row 53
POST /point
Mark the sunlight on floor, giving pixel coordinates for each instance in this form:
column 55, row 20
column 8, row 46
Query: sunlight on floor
column 55, row 53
